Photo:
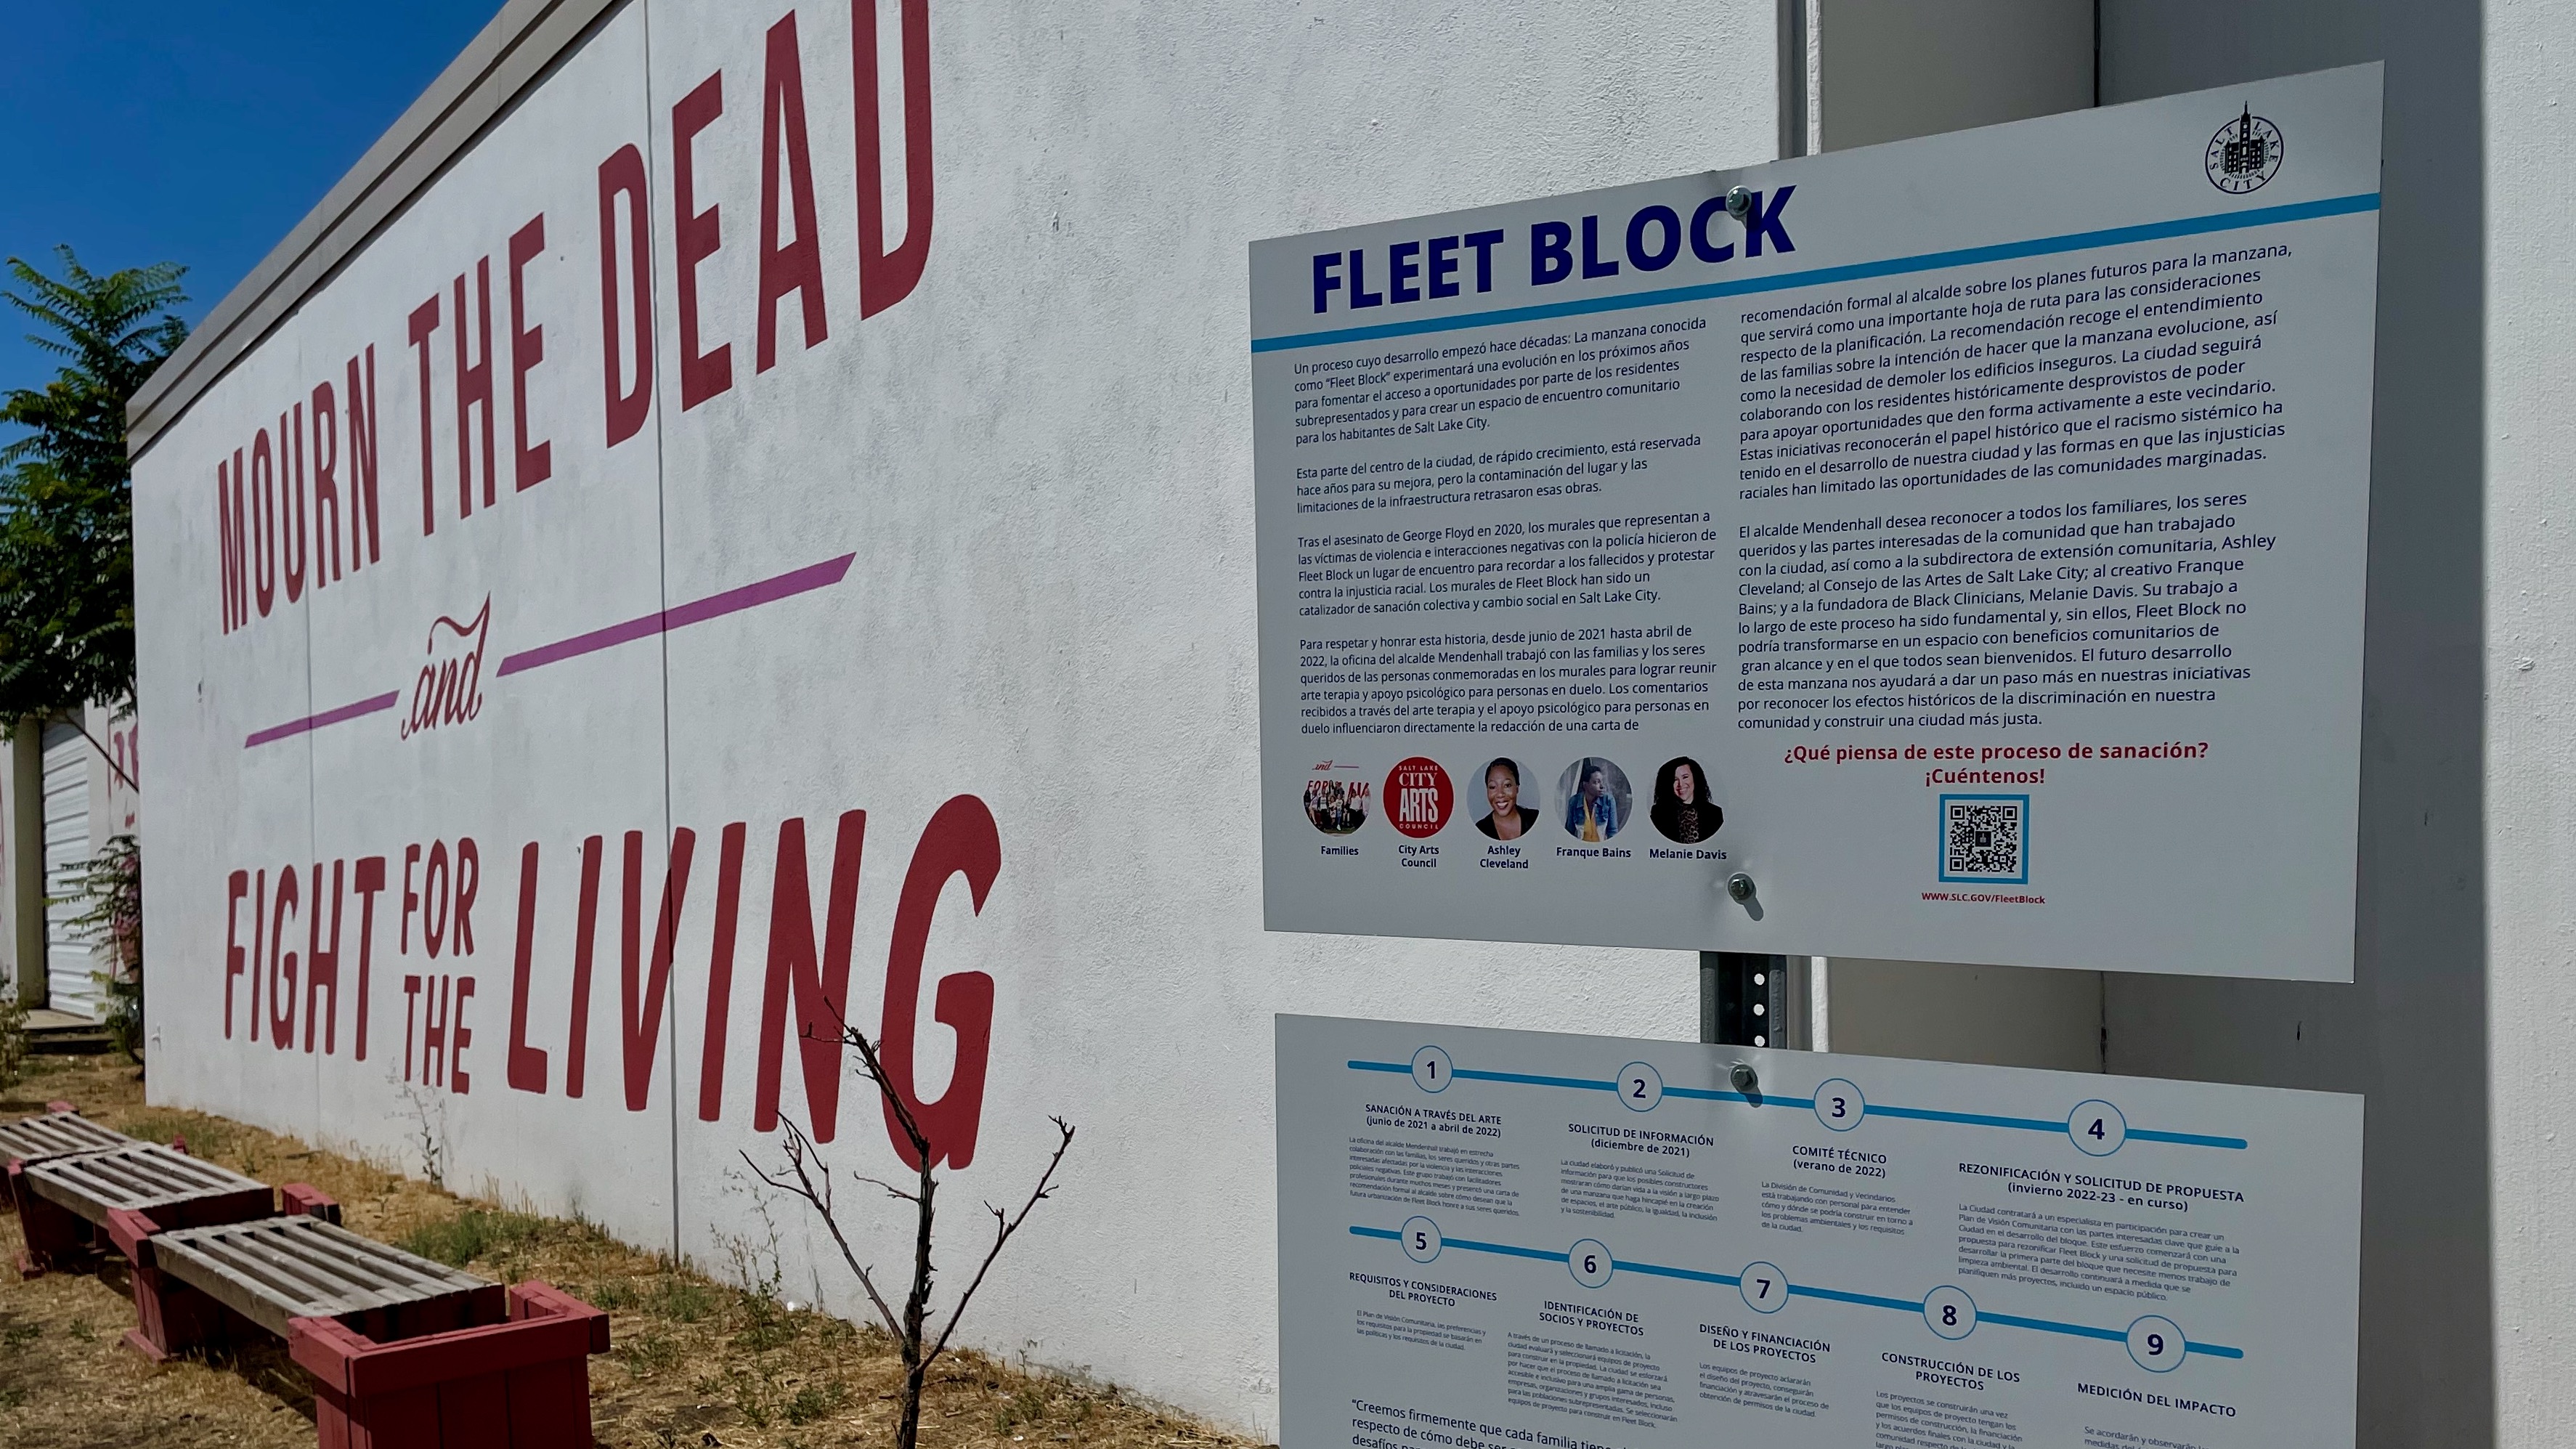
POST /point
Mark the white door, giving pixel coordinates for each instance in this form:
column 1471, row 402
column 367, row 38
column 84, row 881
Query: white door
column 67, row 849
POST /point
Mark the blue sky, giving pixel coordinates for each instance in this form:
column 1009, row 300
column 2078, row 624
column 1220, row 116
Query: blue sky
column 195, row 131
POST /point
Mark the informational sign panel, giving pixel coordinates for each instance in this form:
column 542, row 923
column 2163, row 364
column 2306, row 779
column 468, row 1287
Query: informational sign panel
column 1496, row 1239
column 1963, row 539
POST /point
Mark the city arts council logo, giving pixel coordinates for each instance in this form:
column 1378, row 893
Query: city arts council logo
column 2244, row 154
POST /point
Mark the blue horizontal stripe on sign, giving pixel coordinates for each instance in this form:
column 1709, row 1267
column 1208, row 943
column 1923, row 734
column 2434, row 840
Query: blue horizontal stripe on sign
column 1506, row 1249
column 2187, row 1139
column 1973, row 1119
column 2045, row 1325
column 1390, row 1234
column 1399, row 1068
column 1529, row 1081
column 1703, row 1094
column 1693, row 1274
column 2214, row 1350
column 1866, row 1300
column 1852, row 272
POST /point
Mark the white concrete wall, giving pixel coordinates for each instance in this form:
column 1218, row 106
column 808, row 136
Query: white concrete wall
column 2411, row 1032
column 2529, row 664
column 1041, row 462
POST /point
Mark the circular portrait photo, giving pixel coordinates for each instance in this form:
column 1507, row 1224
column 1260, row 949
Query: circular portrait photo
column 1336, row 804
column 1505, row 818
column 1418, row 798
column 1596, row 797
column 1685, row 810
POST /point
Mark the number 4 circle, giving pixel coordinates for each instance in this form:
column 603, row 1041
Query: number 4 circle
column 1640, row 1087
column 1431, row 1069
column 1765, row 1287
column 2096, row 1128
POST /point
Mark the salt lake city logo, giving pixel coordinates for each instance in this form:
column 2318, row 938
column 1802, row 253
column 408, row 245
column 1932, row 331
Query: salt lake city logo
column 2244, row 154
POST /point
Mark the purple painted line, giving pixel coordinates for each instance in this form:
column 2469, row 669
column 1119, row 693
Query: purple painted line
column 313, row 722
column 680, row 616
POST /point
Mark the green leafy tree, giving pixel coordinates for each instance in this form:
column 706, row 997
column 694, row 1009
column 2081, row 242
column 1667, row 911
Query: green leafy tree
column 66, row 486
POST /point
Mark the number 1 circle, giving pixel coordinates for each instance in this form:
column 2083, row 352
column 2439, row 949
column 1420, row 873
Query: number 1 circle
column 1431, row 1069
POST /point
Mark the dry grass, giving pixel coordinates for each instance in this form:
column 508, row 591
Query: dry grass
column 695, row 1363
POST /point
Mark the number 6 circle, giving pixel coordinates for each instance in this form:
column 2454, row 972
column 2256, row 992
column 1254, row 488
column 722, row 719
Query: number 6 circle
column 1589, row 1261
column 1764, row 1286
column 1839, row 1105
column 1640, row 1087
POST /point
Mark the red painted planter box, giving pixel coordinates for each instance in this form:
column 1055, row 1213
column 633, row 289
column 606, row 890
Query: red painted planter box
column 524, row 1384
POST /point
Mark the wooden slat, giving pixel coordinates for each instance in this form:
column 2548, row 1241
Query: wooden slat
column 142, row 1177
column 56, row 1134
column 278, row 1269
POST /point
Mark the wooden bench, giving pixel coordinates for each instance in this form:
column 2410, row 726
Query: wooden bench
column 59, row 1132
column 275, row 1270
column 61, row 1198
column 404, row 1351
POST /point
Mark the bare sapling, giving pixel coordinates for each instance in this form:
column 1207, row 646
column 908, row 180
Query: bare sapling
column 807, row 1176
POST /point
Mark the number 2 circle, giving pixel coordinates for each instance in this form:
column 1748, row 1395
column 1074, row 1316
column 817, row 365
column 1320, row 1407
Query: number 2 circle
column 1839, row 1105
column 1431, row 1069
column 1589, row 1261
column 2096, row 1128
column 2157, row 1344
column 1765, row 1287
column 1640, row 1087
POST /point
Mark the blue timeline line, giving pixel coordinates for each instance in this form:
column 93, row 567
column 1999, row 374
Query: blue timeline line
column 1799, row 1290
column 1919, row 1114
column 1851, row 272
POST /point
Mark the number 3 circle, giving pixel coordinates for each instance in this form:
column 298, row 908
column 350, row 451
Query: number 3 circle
column 2096, row 1128
column 2157, row 1344
column 1590, row 1262
column 1640, row 1087
column 1839, row 1105
column 1765, row 1287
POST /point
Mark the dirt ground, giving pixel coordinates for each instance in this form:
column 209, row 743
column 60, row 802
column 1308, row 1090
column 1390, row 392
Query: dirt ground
column 695, row 1361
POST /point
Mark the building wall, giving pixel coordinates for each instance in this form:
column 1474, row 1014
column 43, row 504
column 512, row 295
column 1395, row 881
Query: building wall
column 2529, row 685
column 1037, row 466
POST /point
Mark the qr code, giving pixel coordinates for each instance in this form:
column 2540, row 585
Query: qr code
column 1982, row 839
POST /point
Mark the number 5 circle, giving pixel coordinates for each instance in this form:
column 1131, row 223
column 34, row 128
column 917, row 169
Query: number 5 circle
column 2096, row 1128
column 2157, row 1344
column 1765, row 1287
column 1590, row 1262
column 1950, row 1312
column 1640, row 1087
column 1421, row 1239
column 1839, row 1105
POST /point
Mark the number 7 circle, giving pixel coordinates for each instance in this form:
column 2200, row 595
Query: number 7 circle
column 1764, row 1286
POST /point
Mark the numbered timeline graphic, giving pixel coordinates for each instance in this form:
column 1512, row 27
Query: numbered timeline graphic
column 1493, row 1238
column 1993, row 541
